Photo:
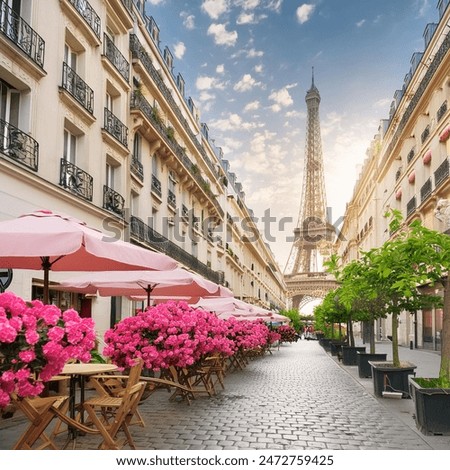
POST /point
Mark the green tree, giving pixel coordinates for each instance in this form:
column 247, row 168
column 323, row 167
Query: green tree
column 294, row 316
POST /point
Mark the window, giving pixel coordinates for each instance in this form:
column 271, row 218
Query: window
column 109, row 102
column 137, row 147
column 110, row 176
column 70, row 57
column 70, row 146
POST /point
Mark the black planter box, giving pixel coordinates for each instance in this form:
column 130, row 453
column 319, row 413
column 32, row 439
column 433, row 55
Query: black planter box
column 387, row 378
column 325, row 343
column 432, row 409
column 335, row 347
column 349, row 354
column 362, row 361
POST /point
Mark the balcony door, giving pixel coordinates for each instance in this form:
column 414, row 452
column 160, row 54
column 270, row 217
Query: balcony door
column 9, row 115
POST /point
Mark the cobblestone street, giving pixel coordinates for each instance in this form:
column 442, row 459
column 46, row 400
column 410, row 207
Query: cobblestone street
column 297, row 398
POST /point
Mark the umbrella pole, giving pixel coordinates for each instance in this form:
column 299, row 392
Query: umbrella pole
column 46, row 267
column 149, row 291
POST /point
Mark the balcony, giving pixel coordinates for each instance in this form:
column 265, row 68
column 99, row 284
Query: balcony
column 156, row 186
column 138, row 102
column 425, row 134
column 75, row 180
column 78, row 88
column 150, row 237
column 137, row 168
column 113, row 126
column 411, row 206
column 171, row 199
column 90, row 17
column 116, row 58
column 442, row 173
column 410, row 155
column 113, row 201
column 18, row 146
column 426, row 190
column 21, row 34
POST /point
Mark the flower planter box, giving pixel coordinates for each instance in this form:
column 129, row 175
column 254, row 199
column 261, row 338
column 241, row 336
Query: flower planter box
column 362, row 361
column 432, row 408
column 349, row 354
column 387, row 378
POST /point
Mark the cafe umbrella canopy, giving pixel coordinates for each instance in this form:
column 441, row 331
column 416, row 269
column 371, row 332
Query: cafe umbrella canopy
column 49, row 241
column 174, row 283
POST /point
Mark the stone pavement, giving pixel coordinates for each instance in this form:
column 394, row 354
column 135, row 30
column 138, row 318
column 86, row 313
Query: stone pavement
column 299, row 398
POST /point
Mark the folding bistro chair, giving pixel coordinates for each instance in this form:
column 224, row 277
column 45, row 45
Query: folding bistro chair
column 40, row 412
column 112, row 414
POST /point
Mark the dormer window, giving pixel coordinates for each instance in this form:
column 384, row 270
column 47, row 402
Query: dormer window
column 180, row 83
column 168, row 58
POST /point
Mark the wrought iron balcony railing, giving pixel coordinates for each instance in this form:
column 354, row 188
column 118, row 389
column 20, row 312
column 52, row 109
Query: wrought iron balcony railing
column 425, row 134
column 426, row 190
column 137, row 168
column 113, row 201
column 21, row 34
column 441, row 173
column 75, row 180
column 146, row 234
column 89, row 15
column 156, row 186
column 78, row 88
column 19, row 146
column 171, row 199
column 116, row 128
column 410, row 155
column 116, row 57
column 411, row 206
column 441, row 111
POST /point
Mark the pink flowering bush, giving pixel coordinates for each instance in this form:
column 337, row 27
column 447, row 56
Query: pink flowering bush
column 249, row 334
column 169, row 334
column 287, row 333
column 36, row 340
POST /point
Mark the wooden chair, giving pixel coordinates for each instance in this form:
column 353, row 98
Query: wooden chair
column 112, row 414
column 40, row 412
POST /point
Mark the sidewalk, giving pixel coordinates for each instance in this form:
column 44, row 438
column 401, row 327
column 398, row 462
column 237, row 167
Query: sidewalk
column 427, row 362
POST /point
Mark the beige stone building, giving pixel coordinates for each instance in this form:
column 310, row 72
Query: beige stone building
column 407, row 167
column 95, row 124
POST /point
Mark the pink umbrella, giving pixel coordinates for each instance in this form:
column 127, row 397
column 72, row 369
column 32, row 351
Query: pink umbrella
column 50, row 241
column 177, row 282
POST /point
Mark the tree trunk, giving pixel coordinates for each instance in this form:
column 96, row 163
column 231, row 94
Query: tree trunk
column 444, row 371
column 395, row 356
column 372, row 334
column 351, row 338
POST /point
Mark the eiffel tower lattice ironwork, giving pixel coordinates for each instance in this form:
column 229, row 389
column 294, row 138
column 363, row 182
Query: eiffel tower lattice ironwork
column 313, row 234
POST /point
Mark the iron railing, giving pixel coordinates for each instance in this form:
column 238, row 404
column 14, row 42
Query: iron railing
column 116, row 57
column 113, row 201
column 441, row 173
column 115, row 127
column 78, row 88
column 156, row 186
column 410, row 155
column 426, row 190
column 16, row 29
column 19, row 146
column 171, row 199
column 146, row 234
column 89, row 15
column 411, row 206
column 137, row 168
column 425, row 134
column 441, row 111
column 75, row 180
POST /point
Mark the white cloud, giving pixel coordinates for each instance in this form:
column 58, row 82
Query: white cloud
column 220, row 69
column 359, row 24
column 246, row 83
column 215, row 8
column 304, row 12
column 252, row 106
column 206, row 96
column 179, row 49
column 258, row 68
column 188, row 20
column 274, row 5
column 155, row 2
column 204, row 82
column 222, row 37
column 248, row 4
column 232, row 123
column 282, row 98
column 251, row 53
column 245, row 18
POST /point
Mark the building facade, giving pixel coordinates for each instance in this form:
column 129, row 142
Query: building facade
column 95, row 124
column 407, row 168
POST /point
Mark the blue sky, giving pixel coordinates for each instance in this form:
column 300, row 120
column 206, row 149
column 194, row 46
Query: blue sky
column 247, row 65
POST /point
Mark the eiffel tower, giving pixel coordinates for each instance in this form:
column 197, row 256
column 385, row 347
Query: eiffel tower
column 304, row 276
